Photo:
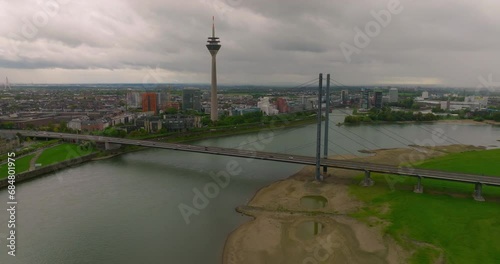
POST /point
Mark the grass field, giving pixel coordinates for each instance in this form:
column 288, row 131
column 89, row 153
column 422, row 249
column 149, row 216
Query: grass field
column 22, row 164
column 60, row 153
column 478, row 162
column 444, row 220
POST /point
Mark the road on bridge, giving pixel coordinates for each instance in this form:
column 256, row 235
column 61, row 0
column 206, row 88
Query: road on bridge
column 280, row 157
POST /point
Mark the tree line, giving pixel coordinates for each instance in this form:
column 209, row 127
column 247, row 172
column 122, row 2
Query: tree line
column 387, row 114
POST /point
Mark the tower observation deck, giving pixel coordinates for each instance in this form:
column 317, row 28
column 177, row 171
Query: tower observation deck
column 213, row 47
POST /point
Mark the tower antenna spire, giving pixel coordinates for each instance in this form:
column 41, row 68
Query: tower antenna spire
column 213, row 26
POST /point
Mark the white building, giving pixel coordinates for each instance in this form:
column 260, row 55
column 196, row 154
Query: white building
column 393, row 95
column 134, row 100
column 425, row 95
column 266, row 107
column 75, row 124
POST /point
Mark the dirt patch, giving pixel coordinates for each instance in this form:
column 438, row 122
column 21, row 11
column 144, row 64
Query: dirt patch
column 337, row 238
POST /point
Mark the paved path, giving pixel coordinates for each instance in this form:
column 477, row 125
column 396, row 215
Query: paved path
column 33, row 160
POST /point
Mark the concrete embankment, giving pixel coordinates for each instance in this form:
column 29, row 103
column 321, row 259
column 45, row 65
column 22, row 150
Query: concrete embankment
column 48, row 169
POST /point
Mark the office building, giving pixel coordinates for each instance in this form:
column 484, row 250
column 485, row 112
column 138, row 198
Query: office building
column 365, row 99
column 378, row 100
column 191, row 99
column 393, row 95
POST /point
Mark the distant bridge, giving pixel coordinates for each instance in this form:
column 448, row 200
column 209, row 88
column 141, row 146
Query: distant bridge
column 477, row 180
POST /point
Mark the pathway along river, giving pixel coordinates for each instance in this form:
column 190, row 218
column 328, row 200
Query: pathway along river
column 126, row 209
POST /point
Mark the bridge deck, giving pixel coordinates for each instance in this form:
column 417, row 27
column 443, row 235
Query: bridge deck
column 280, row 157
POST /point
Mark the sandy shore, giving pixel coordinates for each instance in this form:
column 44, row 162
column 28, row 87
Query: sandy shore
column 283, row 229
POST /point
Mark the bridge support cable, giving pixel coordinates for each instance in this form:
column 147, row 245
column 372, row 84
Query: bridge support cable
column 318, row 136
column 327, row 121
column 354, row 140
column 367, row 181
column 478, row 192
column 419, row 188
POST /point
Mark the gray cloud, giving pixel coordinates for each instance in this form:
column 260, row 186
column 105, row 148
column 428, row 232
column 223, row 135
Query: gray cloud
column 443, row 42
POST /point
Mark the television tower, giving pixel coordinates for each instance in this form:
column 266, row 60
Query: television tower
column 213, row 46
column 6, row 85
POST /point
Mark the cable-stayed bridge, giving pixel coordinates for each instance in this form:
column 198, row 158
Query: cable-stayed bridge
column 477, row 180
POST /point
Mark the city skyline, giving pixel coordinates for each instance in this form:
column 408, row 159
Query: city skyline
column 419, row 43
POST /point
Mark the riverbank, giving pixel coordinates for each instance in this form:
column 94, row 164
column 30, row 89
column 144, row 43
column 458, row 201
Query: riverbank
column 470, row 122
column 446, row 121
column 225, row 132
column 29, row 175
column 276, row 233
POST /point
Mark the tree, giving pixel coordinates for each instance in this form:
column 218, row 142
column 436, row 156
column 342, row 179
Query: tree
column 407, row 103
column 7, row 125
column 171, row 111
column 63, row 126
column 496, row 116
column 50, row 127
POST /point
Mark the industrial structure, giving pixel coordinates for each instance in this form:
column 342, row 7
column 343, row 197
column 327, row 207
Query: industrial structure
column 213, row 46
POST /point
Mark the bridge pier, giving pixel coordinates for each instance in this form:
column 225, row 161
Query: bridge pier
column 111, row 146
column 367, row 181
column 419, row 188
column 478, row 189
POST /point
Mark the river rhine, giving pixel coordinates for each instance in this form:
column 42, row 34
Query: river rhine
column 126, row 209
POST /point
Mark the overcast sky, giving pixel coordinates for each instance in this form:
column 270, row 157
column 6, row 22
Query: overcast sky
column 442, row 42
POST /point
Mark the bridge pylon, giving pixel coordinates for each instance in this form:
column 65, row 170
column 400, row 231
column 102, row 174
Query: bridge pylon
column 367, row 181
column 419, row 188
column 478, row 190
column 327, row 121
column 318, row 176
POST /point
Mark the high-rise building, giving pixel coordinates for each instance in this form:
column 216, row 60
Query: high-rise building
column 159, row 104
column 365, row 98
column 213, row 46
column 149, row 102
column 133, row 100
column 393, row 95
column 378, row 99
column 191, row 99
column 343, row 97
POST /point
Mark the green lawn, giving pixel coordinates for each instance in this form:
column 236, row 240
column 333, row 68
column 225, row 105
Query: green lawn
column 22, row 164
column 60, row 153
column 445, row 218
column 485, row 162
